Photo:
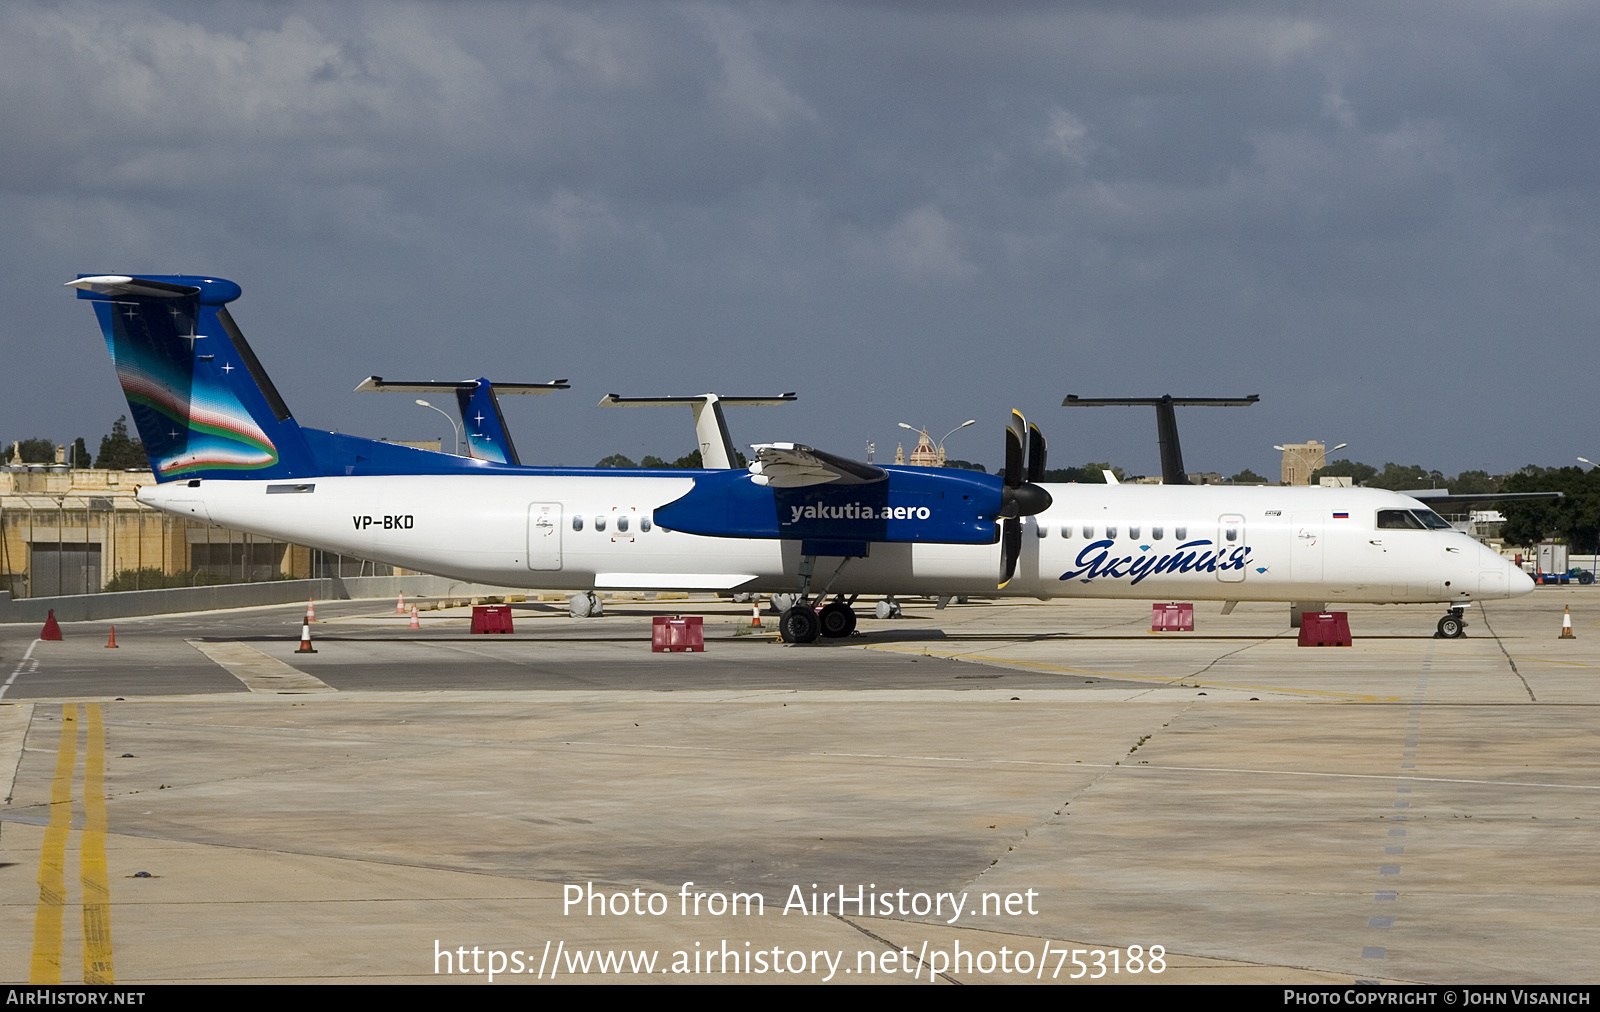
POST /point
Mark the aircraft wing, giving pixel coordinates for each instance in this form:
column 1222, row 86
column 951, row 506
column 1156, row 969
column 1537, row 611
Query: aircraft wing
column 791, row 465
column 1439, row 495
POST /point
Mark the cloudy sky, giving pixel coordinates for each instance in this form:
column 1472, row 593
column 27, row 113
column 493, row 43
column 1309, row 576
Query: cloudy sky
column 1380, row 217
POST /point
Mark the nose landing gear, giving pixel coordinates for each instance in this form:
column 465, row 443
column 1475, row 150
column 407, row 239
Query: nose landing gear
column 1453, row 626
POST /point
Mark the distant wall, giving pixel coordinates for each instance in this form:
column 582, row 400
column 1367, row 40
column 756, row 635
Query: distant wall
column 130, row 603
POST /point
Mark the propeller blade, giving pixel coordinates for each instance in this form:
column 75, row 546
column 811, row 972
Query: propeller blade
column 1036, row 454
column 1016, row 443
column 1010, row 550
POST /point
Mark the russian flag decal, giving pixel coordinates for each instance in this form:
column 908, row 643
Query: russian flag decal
column 1340, row 515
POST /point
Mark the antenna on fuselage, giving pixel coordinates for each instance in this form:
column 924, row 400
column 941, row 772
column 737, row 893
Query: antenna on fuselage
column 1172, row 472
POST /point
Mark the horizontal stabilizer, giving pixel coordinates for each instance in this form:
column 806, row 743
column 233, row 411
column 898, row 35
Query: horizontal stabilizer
column 616, row 401
column 377, row 384
column 710, row 427
column 119, row 284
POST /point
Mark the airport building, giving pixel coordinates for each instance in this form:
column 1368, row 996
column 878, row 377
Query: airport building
column 1300, row 460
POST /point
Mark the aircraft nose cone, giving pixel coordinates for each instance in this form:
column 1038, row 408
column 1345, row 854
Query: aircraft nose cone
column 1517, row 581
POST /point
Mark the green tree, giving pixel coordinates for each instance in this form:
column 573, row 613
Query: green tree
column 1575, row 517
column 119, row 451
column 1357, row 472
column 965, row 465
column 615, row 460
column 1398, row 477
column 34, row 451
column 78, row 456
column 1470, row 482
column 1247, row 477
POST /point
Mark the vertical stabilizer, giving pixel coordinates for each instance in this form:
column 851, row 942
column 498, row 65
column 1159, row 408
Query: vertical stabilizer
column 487, row 435
column 201, row 401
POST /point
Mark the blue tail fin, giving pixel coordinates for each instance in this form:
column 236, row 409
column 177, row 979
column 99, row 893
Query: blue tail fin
column 203, row 405
column 487, row 436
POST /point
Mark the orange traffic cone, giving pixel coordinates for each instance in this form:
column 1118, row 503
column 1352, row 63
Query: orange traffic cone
column 414, row 623
column 1566, row 624
column 305, row 638
column 52, row 629
column 755, row 614
column 311, row 610
column 400, row 605
column 111, row 644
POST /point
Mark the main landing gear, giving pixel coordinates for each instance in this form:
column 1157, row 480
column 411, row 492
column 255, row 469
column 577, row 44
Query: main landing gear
column 803, row 623
column 1453, row 626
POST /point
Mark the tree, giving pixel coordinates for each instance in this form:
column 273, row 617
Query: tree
column 1090, row 473
column 1357, row 472
column 78, row 456
column 966, row 465
column 1469, row 482
column 1574, row 517
column 615, row 460
column 34, row 451
column 1247, row 477
column 119, row 451
column 1398, row 478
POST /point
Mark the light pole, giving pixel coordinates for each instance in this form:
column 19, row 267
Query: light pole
column 947, row 435
column 453, row 426
column 1305, row 460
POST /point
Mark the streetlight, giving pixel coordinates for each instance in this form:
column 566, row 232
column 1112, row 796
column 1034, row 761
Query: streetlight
column 453, row 426
column 1306, row 461
column 947, row 435
column 1586, row 460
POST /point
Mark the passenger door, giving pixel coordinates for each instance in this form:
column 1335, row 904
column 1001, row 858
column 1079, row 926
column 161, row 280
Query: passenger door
column 544, row 536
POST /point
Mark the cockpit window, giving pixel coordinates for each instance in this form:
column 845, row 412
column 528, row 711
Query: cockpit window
column 1399, row 520
column 1432, row 520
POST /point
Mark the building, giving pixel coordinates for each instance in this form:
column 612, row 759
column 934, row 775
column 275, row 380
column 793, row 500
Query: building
column 70, row 530
column 1301, row 459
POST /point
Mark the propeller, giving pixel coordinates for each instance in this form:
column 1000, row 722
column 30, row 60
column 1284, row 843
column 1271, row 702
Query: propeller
column 1021, row 496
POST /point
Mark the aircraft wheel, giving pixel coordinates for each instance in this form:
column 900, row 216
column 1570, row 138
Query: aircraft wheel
column 799, row 625
column 1452, row 628
column 838, row 620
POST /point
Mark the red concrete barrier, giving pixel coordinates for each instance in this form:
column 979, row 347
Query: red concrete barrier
column 1177, row 617
column 678, row 632
column 491, row 618
column 1324, row 629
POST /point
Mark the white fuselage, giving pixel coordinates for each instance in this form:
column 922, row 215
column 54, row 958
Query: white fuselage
column 1264, row 543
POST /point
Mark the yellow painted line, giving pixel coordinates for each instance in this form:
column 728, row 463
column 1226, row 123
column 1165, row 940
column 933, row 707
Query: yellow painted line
column 1155, row 679
column 46, row 965
column 92, row 857
column 1552, row 660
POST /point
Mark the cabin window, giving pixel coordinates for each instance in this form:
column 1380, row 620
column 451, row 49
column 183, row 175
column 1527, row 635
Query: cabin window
column 1155, row 533
column 622, row 525
column 644, row 525
column 1230, row 534
column 1111, row 532
column 1181, row 533
column 1088, row 530
column 577, row 523
column 1044, row 530
column 600, row 522
column 1066, row 530
column 1133, row 532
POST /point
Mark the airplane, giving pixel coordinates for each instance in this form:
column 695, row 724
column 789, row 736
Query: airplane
column 479, row 403
column 225, row 448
